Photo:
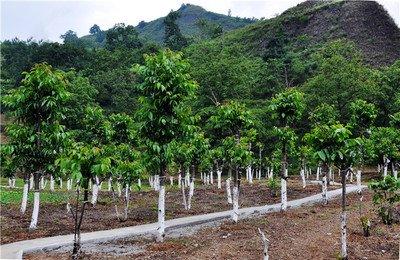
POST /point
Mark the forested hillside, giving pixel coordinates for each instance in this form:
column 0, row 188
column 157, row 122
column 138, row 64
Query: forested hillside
column 189, row 22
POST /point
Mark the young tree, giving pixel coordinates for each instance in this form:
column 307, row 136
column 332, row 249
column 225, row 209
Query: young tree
column 287, row 107
column 165, row 88
column 36, row 136
column 332, row 145
column 234, row 122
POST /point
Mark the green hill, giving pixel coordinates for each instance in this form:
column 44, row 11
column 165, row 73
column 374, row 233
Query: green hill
column 153, row 31
column 366, row 23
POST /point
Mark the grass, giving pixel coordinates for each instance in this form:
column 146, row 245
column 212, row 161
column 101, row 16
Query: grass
column 14, row 196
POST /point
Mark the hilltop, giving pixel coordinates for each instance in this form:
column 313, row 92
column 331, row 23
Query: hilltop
column 366, row 23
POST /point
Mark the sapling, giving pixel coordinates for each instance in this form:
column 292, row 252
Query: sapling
column 166, row 86
column 287, row 108
column 37, row 107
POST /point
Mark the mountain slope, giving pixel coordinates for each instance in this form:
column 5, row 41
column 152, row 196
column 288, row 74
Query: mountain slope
column 366, row 23
column 153, row 31
column 189, row 15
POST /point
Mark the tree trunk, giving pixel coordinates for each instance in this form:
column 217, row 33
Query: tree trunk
column 184, row 195
column 69, row 184
column 317, row 174
column 171, row 181
column 303, row 177
column 179, row 180
column 284, row 176
column 51, row 183
column 31, row 184
column 324, row 170
column 127, row 197
column 95, row 192
column 385, row 166
column 25, row 196
column 139, row 183
column 161, row 205
column 219, row 178
column 343, row 217
column 228, row 190
column 119, row 189
column 191, row 190
column 36, row 201
column 358, row 181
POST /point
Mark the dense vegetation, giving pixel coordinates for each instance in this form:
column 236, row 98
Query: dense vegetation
column 131, row 108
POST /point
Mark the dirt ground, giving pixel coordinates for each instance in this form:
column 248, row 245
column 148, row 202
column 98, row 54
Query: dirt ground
column 311, row 232
column 54, row 220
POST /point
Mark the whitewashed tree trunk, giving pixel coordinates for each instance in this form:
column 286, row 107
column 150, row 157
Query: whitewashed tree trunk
column 265, row 243
column 139, row 183
column 379, row 167
column 119, row 189
column 90, row 185
column 171, row 181
column 228, row 190
column 351, row 176
column 179, row 180
column 51, row 183
column 330, row 177
column 318, row 172
column 69, row 184
column 303, row 177
column 127, row 193
column 157, row 183
column 42, row 183
column 259, row 174
column 35, row 213
column 208, row 179
column 283, row 194
column 324, row 190
column 250, row 173
column 235, row 212
column 395, row 173
column 184, row 196
column 307, row 173
column 187, row 179
column 151, row 183
column 161, row 213
column 219, row 178
column 385, row 166
column 9, row 183
column 343, row 235
column 191, row 192
column 24, row 197
column 61, row 183
column 358, row 181
column 95, row 192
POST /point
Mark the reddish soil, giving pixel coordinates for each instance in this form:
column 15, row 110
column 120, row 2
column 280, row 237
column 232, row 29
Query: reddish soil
column 311, row 232
column 54, row 220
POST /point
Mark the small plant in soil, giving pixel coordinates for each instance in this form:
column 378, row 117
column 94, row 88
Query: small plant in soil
column 386, row 196
column 273, row 185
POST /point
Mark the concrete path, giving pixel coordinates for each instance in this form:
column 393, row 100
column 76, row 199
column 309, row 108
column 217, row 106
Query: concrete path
column 17, row 249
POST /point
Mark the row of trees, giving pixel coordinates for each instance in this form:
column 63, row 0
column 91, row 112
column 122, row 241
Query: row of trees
column 165, row 135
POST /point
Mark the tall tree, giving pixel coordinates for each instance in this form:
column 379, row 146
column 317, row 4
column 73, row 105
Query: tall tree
column 165, row 88
column 122, row 37
column 287, row 108
column 36, row 135
column 173, row 37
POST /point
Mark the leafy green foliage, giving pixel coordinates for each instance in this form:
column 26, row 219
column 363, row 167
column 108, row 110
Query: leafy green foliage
column 386, row 196
column 166, row 86
column 121, row 36
column 36, row 136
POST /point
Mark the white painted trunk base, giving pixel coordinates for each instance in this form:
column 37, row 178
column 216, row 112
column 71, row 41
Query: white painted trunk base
column 51, row 183
column 235, row 211
column 303, row 177
column 161, row 214
column 35, row 213
column 358, row 181
column 219, row 179
column 191, row 192
column 283, row 194
column 228, row 190
column 95, row 192
column 24, row 197
column 179, row 180
column 139, row 183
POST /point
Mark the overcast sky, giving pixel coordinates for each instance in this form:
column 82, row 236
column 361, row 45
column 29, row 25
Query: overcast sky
column 49, row 19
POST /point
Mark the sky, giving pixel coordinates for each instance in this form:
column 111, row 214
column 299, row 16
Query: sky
column 47, row 20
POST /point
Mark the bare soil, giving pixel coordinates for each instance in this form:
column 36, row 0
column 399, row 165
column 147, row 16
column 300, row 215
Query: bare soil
column 54, row 219
column 311, row 232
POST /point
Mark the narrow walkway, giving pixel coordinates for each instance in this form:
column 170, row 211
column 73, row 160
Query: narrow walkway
column 17, row 249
